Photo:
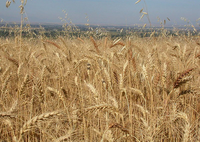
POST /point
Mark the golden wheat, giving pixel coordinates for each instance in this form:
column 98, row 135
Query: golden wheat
column 129, row 92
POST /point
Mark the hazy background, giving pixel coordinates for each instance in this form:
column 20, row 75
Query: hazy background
column 103, row 12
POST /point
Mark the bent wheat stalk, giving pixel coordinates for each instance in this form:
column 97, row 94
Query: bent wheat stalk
column 180, row 80
column 53, row 43
column 32, row 122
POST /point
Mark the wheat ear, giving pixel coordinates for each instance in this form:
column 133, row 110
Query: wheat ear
column 24, row 83
column 80, row 40
column 14, row 61
column 180, row 80
column 33, row 121
column 53, row 43
column 95, row 44
column 118, row 43
column 58, row 93
column 117, row 125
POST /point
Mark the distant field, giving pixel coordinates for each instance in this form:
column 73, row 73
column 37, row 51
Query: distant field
column 54, row 31
column 88, row 85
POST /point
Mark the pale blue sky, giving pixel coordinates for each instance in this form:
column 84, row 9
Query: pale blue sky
column 101, row 12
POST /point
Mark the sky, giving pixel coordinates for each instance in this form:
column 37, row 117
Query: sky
column 103, row 12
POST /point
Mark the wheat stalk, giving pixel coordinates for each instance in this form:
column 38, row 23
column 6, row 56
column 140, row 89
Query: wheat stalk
column 180, row 80
column 40, row 91
column 23, row 85
column 6, row 115
column 117, row 125
column 107, row 135
column 8, row 123
column 14, row 61
column 65, row 137
column 58, row 93
column 95, row 44
column 101, row 107
column 137, row 1
column 53, row 43
column 5, row 83
column 33, row 121
column 80, row 40
column 118, row 43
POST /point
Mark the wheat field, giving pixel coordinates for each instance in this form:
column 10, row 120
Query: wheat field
column 103, row 90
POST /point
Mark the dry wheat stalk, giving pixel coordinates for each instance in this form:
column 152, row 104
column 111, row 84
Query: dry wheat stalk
column 187, row 91
column 65, row 137
column 137, row 1
column 107, row 135
column 157, row 79
column 144, row 72
column 23, row 85
column 179, row 81
column 70, row 52
column 80, row 40
column 5, row 83
column 147, row 129
column 40, row 91
column 100, row 107
column 114, row 101
column 14, row 61
column 5, row 73
column 121, row 81
column 80, row 62
column 186, row 126
column 13, row 109
column 53, row 43
column 134, row 64
column 117, row 125
column 116, row 77
column 92, row 89
column 9, row 124
column 143, row 110
column 130, row 54
column 2, row 104
column 138, row 92
column 33, row 121
column 43, row 74
column 58, row 93
column 107, row 76
column 105, row 42
column 125, row 68
column 164, row 74
column 95, row 44
column 64, row 91
column 118, row 43
column 19, row 70
column 6, row 115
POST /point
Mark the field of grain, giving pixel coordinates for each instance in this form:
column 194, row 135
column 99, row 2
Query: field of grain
column 99, row 90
